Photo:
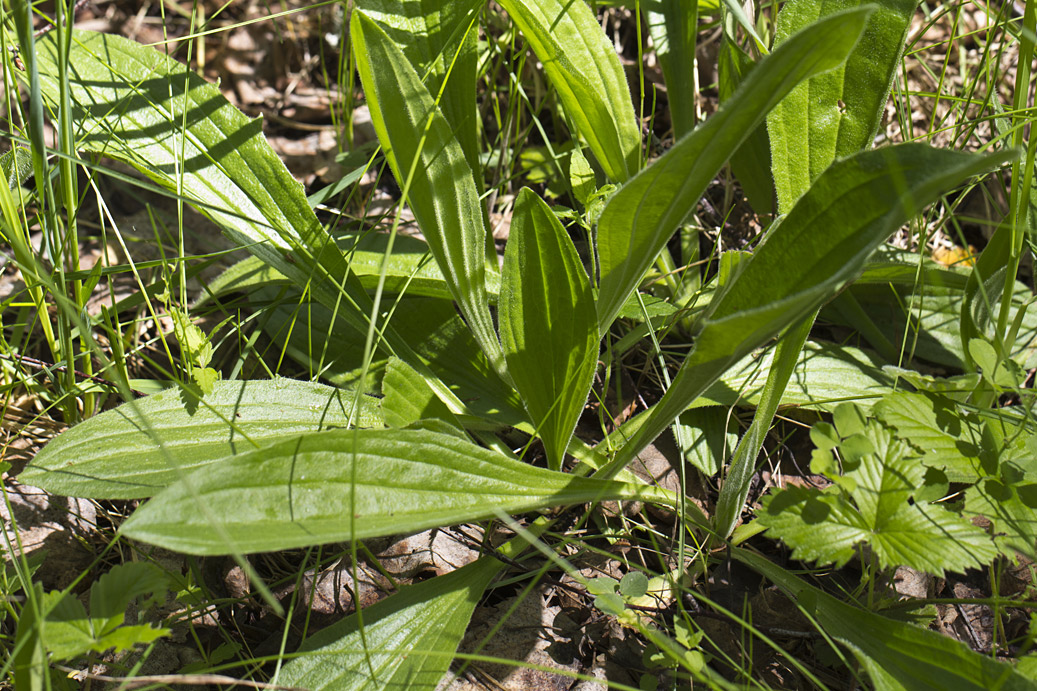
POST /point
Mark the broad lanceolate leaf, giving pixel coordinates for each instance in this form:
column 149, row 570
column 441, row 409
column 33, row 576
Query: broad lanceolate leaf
column 913, row 657
column 137, row 105
column 429, row 163
column 825, row 374
column 581, row 63
column 351, row 484
column 439, row 39
column 859, row 201
column 141, row 447
column 641, row 217
column 409, row 637
column 837, row 113
column 547, row 323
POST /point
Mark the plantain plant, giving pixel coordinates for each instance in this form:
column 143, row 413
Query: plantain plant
column 459, row 349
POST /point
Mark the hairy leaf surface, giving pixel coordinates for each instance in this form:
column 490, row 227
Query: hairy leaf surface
column 837, row 113
column 351, row 484
column 141, row 447
column 548, row 329
column 428, row 162
column 409, row 637
column 645, row 212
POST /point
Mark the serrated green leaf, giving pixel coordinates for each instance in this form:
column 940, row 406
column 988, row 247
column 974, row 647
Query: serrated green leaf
column 113, row 592
column 547, row 324
column 143, row 446
column 407, row 639
column 826, row 526
column 947, row 437
column 837, row 113
column 582, row 65
column 1009, row 501
column 351, row 484
column 429, row 164
column 641, row 217
column 911, row 656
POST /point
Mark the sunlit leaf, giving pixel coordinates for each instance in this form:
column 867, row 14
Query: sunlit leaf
column 428, row 162
column 642, row 216
column 407, row 639
column 351, row 484
column 547, row 323
column 143, row 446
column 582, row 64
column 837, row 113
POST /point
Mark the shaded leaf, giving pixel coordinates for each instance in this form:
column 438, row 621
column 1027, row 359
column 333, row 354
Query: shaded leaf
column 912, row 657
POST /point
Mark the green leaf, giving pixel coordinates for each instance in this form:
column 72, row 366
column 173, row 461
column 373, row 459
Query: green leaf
column 439, row 40
column 432, row 330
column 673, row 27
column 410, row 268
column 1009, row 500
column 583, row 67
column 861, row 200
column 948, row 437
column 132, row 103
column 825, row 373
column 408, row 398
column 70, row 632
column 751, row 163
column 430, row 166
column 644, row 213
column 351, row 484
column 707, row 434
column 143, row 446
column 837, row 113
column 826, row 526
column 547, row 323
column 913, row 657
column 407, row 639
